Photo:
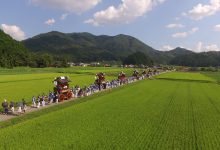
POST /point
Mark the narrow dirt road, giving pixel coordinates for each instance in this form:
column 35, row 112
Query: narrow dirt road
column 28, row 110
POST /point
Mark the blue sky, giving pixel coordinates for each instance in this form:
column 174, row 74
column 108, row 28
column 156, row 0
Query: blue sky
column 162, row 24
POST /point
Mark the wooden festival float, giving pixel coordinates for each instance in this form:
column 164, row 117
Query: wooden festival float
column 61, row 87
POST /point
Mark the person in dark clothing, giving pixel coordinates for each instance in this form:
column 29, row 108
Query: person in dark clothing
column 11, row 104
column 24, row 105
column 5, row 106
column 80, row 93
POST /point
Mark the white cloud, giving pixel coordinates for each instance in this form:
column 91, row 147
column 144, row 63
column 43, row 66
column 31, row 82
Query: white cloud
column 200, row 11
column 201, row 47
column 217, row 27
column 50, row 22
column 198, row 47
column 185, row 34
column 193, row 30
column 177, row 18
column 212, row 47
column 14, row 31
column 64, row 16
column 173, row 25
column 166, row 48
column 76, row 6
column 180, row 35
column 126, row 12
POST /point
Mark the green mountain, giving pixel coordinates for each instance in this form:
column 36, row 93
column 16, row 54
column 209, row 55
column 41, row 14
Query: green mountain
column 138, row 58
column 12, row 52
column 178, row 51
column 88, row 47
column 204, row 59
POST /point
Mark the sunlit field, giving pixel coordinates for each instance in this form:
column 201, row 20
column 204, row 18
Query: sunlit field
column 24, row 83
column 150, row 114
column 187, row 76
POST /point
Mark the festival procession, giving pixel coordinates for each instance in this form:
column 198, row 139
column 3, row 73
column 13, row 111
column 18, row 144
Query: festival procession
column 62, row 91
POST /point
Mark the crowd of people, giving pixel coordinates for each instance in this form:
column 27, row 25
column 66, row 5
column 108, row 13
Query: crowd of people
column 10, row 107
column 77, row 92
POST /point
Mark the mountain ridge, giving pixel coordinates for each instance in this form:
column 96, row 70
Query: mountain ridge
column 179, row 49
column 87, row 47
column 75, row 44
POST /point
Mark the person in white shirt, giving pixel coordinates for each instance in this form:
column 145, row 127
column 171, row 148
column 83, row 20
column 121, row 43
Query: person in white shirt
column 38, row 102
column 43, row 103
column 34, row 101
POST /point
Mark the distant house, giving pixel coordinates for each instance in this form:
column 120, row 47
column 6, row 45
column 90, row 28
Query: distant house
column 128, row 66
column 71, row 64
column 83, row 65
column 95, row 64
column 107, row 65
column 131, row 66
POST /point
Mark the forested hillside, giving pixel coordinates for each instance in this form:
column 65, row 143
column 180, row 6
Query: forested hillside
column 87, row 47
column 12, row 53
column 56, row 49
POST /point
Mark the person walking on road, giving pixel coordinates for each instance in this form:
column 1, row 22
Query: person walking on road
column 12, row 107
column 24, row 106
column 34, row 101
column 5, row 107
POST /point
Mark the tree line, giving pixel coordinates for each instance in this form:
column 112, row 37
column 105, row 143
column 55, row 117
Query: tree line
column 14, row 54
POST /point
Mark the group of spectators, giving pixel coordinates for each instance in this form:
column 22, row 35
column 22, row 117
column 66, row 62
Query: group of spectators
column 44, row 99
column 37, row 102
column 10, row 107
column 52, row 97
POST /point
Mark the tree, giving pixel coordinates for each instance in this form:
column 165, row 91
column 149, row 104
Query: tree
column 12, row 52
column 138, row 58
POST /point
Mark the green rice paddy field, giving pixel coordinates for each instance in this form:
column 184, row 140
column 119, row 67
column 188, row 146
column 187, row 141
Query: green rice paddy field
column 161, row 114
column 24, row 83
column 189, row 76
